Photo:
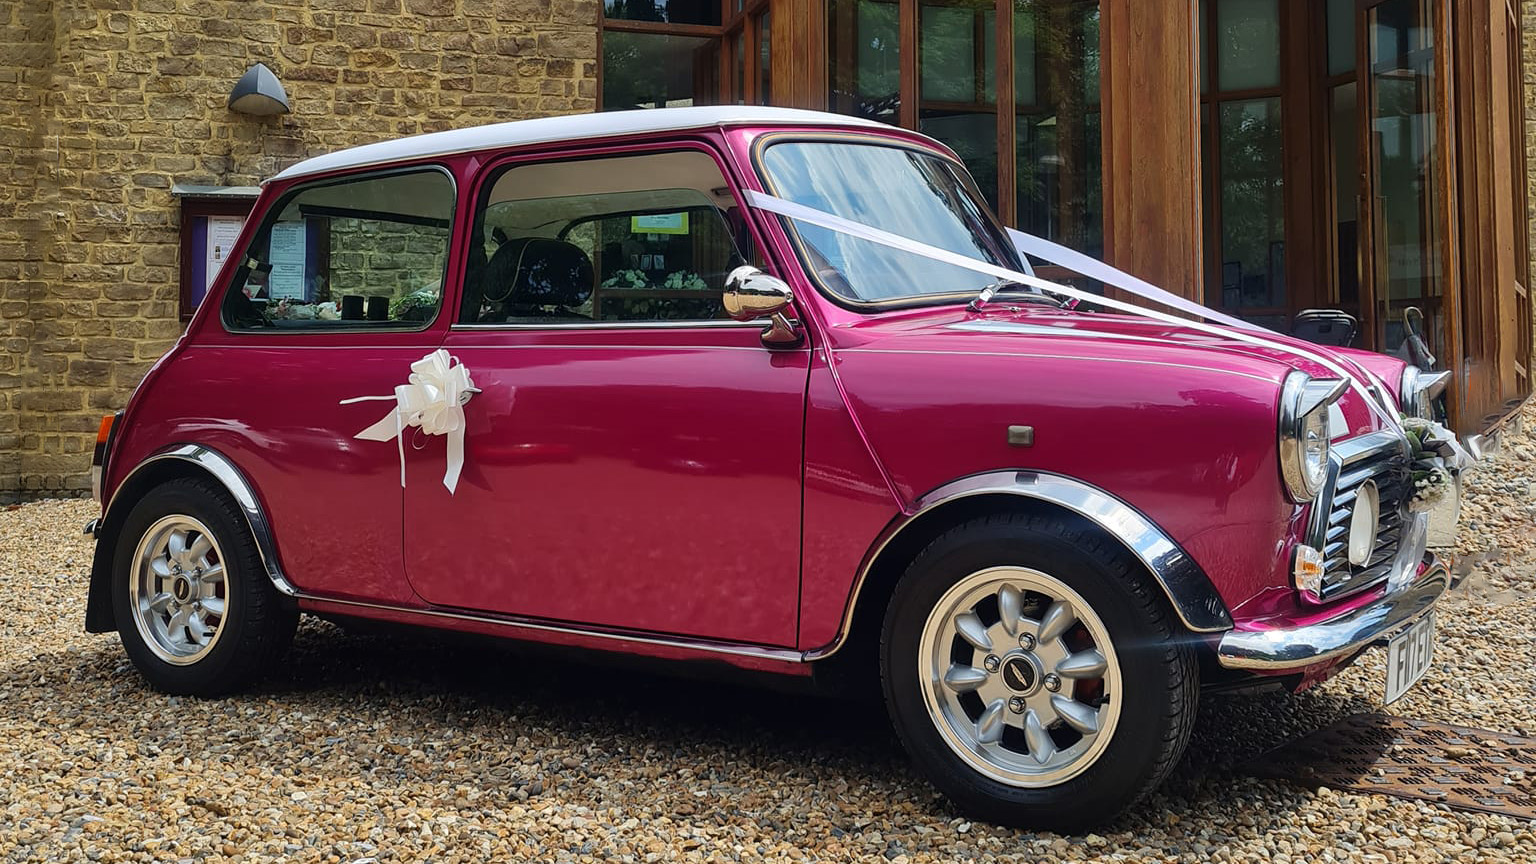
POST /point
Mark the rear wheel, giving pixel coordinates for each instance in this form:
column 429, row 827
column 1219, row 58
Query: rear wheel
column 1035, row 674
column 193, row 606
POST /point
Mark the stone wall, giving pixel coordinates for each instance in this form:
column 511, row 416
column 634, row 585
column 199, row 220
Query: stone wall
column 104, row 104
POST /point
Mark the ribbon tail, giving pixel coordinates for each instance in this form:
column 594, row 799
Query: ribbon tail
column 455, row 458
column 400, row 444
column 388, row 427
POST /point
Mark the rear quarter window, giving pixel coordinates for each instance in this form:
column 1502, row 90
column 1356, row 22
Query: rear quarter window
column 359, row 253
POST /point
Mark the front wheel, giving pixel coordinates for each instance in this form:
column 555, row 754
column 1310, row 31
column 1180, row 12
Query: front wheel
column 1035, row 674
column 193, row 605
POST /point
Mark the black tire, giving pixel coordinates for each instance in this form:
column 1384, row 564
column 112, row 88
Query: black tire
column 257, row 625
column 1157, row 669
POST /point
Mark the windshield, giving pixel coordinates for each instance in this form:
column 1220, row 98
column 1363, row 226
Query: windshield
column 905, row 191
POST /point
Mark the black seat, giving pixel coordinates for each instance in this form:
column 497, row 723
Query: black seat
column 534, row 279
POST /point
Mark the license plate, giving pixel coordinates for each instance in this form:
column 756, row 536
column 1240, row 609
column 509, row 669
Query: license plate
column 1408, row 656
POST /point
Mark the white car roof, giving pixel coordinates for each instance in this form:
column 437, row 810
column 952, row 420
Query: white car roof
column 565, row 127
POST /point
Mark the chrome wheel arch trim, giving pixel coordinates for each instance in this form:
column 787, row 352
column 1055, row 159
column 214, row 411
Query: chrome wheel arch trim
column 220, row 468
column 1190, row 592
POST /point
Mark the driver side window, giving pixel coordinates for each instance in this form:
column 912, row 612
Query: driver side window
column 630, row 238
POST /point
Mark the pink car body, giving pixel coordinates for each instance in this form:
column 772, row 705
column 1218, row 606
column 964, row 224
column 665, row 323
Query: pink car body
column 690, row 493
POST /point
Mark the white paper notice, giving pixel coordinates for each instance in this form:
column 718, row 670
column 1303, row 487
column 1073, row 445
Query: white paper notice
column 223, row 231
column 287, row 258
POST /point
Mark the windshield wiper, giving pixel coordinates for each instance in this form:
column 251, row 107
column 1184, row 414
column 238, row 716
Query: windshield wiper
column 1002, row 285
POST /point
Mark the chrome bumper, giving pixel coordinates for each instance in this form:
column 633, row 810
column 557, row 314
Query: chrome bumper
column 1285, row 650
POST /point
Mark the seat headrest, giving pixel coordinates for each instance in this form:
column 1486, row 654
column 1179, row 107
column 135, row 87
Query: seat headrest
column 537, row 271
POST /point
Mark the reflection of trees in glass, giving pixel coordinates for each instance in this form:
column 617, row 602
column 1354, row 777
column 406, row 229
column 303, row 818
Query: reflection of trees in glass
column 647, row 69
column 671, row 11
column 1252, row 216
column 864, row 48
column 1059, row 168
column 633, row 10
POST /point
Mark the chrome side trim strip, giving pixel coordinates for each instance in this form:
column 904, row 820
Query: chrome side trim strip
column 1296, row 648
column 224, row 471
column 1193, row 597
column 783, row 655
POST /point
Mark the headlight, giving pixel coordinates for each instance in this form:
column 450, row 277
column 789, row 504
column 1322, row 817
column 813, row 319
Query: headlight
column 1418, row 390
column 1304, row 441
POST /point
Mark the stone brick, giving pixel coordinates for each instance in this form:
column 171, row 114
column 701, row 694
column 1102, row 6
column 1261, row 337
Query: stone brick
column 109, row 102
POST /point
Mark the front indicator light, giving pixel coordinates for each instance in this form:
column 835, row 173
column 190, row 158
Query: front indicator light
column 1308, row 570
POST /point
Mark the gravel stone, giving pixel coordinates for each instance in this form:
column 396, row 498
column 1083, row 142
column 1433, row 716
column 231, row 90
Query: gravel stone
column 366, row 748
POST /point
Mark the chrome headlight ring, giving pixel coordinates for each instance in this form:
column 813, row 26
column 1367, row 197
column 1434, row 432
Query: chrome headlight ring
column 1418, row 390
column 1304, row 434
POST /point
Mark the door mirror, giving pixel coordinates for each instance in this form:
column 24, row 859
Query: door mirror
column 751, row 294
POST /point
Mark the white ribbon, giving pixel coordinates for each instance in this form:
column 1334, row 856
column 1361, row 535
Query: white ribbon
column 434, row 402
column 1240, row 331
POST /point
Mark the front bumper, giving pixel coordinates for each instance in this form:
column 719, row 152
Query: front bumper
column 1292, row 649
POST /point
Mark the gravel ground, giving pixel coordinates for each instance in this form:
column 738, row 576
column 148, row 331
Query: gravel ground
column 369, row 748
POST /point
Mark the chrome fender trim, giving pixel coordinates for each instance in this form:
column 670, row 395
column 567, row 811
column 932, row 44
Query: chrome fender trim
column 1193, row 597
column 221, row 469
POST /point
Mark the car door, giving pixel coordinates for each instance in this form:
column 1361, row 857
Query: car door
column 338, row 293
column 633, row 458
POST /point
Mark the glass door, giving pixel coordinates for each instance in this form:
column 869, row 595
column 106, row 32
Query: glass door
column 1404, row 181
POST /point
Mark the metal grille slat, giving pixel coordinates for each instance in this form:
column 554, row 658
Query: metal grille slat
column 1390, row 474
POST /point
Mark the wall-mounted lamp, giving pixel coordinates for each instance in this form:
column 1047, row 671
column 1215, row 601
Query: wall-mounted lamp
column 259, row 92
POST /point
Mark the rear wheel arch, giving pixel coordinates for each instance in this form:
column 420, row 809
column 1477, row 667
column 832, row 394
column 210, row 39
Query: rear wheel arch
column 187, row 461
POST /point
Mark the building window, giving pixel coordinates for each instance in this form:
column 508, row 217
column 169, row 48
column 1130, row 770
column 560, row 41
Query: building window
column 657, row 70
column 1049, row 49
column 1059, row 168
column 675, row 53
column 863, row 48
column 1242, row 159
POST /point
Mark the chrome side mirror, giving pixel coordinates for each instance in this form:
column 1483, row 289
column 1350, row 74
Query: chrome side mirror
column 751, row 294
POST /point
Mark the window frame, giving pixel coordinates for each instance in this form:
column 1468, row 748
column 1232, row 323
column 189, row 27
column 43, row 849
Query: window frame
column 487, row 177
column 269, row 218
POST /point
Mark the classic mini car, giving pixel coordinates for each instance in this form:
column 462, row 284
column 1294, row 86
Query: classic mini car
column 765, row 388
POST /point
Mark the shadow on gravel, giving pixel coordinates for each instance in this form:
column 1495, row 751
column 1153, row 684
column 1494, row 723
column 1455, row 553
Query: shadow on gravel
column 395, row 704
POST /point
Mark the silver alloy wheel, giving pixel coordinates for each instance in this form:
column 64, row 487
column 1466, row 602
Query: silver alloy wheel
column 1020, row 677
column 178, row 589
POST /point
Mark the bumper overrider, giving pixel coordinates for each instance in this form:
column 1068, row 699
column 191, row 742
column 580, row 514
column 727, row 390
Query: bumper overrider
column 1410, row 593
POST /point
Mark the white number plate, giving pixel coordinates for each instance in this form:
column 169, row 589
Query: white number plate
column 1408, row 656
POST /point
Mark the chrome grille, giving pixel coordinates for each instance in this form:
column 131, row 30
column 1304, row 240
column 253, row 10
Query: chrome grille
column 1388, row 467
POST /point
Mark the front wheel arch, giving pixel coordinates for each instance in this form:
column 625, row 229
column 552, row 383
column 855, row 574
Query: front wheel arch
column 847, row 662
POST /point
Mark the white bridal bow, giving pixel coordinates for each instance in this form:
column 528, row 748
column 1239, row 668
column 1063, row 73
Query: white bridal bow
column 434, row 401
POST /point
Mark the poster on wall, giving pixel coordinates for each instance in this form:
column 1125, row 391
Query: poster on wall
column 287, row 258
column 223, row 231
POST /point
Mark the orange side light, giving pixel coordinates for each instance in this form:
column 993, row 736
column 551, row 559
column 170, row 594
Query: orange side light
column 105, row 429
